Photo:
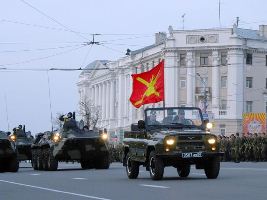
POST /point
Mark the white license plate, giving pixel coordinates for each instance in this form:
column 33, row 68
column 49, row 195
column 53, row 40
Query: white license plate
column 192, row 155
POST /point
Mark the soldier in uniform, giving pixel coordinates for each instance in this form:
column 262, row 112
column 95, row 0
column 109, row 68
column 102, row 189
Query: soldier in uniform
column 264, row 147
column 237, row 145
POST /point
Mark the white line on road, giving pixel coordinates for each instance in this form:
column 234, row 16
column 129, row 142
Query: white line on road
column 199, row 174
column 57, row 191
column 155, row 186
column 244, row 168
column 35, row 174
column 79, row 178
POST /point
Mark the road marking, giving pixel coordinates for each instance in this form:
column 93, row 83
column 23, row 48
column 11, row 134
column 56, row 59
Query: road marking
column 244, row 168
column 53, row 190
column 35, row 174
column 199, row 174
column 79, row 178
column 155, row 186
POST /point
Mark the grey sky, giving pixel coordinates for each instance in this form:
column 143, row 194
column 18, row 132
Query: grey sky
column 29, row 40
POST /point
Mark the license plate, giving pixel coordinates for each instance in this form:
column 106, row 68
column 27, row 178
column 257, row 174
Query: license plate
column 192, row 155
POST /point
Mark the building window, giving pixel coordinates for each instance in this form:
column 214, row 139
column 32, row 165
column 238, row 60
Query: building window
column 266, row 83
column 182, row 83
column 182, row 60
column 223, row 59
column 265, row 60
column 249, row 81
column 249, row 59
column 204, row 60
column 223, row 104
column 266, row 106
column 249, row 106
column 223, row 81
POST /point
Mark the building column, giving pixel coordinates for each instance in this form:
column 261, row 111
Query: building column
column 171, row 79
column 190, row 79
column 235, row 84
column 107, row 98
column 112, row 99
column 102, row 101
column 120, row 98
column 215, row 84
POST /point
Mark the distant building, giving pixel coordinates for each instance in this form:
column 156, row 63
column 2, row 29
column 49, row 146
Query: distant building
column 227, row 66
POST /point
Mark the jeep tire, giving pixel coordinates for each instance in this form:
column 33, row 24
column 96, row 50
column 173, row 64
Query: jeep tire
column 183, row 171
column 156, row 166
column 132, row 168
column 212, row 168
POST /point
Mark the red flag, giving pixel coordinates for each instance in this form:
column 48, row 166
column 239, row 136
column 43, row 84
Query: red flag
column 148, row 87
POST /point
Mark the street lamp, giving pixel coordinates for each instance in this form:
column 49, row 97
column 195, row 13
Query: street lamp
column 205, row 93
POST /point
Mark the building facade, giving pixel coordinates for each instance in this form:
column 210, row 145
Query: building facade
column 222, row 71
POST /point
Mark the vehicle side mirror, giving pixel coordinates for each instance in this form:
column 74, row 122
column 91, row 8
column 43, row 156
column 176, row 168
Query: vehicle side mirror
column 141, row 124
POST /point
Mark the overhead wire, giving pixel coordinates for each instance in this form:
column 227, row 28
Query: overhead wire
column 44, row 57
column 53, row 19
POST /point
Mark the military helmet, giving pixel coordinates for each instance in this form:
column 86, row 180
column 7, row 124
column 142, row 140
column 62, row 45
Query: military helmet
column 69, row 115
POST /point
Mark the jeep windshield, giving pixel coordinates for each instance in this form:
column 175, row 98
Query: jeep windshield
column 179, row 117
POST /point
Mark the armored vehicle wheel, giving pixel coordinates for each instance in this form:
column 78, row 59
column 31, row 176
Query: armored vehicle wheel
column 156, row 166
column 13, row 165
column 52, row 162
column 86, row 164
column 103, row 163
column 45, row 153
column 183, row 171
column 212, row 168
column 39, row 160
column 132, row 168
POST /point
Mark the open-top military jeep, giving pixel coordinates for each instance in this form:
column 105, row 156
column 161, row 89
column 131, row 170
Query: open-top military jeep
column 173, row 136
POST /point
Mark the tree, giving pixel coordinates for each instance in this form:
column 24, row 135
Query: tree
column 57, row 124
column 89, row 112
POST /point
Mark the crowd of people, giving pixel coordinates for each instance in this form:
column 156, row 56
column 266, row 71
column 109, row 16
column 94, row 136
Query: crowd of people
column 245, row 147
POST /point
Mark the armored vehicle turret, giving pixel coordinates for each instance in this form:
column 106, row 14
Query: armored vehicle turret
column 8, row 153
column 174, row 136
column 23, row 143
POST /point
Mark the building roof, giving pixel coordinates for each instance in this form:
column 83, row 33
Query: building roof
column 248, row 34
column 145, row 48
column 93, row 65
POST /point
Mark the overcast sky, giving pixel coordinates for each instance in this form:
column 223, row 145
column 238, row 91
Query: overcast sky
column 48, row 34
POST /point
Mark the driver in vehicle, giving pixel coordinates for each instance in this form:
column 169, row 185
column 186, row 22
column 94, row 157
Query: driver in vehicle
column 153, row 119
column 180, row 118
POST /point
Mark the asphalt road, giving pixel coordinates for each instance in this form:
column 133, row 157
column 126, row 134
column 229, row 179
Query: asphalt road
column 244, row 181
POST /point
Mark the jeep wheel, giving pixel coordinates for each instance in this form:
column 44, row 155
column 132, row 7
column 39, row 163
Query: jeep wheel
column 183, row 171
column 13, row 164
column 52, row 163
column 156, row 167
column 132, row 168
column 212, row 168
column 103, row 162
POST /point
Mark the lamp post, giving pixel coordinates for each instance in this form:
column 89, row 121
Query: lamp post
column 205, row 93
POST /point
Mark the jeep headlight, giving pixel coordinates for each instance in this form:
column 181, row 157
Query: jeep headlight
column 13, row 138
column 56, row 137
column 211, row 140
column 104, row 136
column 209, row 125
column 170, row 141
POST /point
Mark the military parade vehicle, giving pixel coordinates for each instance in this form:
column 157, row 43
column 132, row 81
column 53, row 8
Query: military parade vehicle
column 173, row 136
column 70, row 144
column 8, row 153
column 23, row 143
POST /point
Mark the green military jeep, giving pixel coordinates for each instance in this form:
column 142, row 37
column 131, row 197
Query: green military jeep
column 173, row 136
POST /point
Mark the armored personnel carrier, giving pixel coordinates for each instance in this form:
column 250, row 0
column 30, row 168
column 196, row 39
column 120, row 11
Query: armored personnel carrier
column 23, row 143
column 70, row 144
column 174, row 136
column 8, row 153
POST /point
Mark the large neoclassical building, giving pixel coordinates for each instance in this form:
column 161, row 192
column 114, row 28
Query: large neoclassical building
column 224, row 69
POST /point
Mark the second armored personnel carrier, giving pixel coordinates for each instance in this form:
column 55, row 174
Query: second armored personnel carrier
column 8, row 153
column 71, row 144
